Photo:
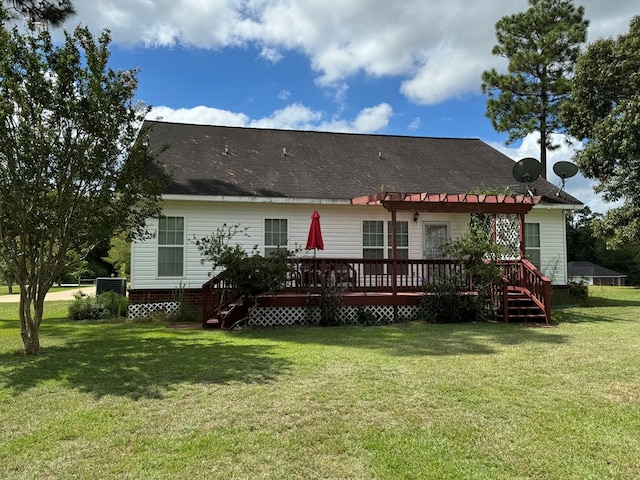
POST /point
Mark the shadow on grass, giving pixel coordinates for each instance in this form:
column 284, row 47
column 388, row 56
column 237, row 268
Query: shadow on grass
column 599, row 314
column 417, row 338
column 594, row 301
column 138, row 361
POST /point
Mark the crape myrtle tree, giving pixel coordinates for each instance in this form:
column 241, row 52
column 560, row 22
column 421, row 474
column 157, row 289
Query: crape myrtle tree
column 605, row 114
column 541, row 45
column 70, row 169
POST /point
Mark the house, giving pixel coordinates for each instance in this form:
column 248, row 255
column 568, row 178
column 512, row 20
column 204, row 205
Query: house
column 270, row 181
column 591, row 274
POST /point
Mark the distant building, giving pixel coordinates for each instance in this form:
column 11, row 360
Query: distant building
column 592, row 274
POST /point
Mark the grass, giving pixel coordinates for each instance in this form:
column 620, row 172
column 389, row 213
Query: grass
column 470, row 401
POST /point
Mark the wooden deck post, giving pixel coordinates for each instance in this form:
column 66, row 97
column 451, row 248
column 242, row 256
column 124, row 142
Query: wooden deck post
column 394, row 262
column 523, row 248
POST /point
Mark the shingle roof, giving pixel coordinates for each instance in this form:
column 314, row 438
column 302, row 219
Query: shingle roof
column 236, row 161
column 588, row 269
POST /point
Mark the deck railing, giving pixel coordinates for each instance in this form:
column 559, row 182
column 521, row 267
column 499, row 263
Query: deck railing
column 370, row 275
column 309, row 275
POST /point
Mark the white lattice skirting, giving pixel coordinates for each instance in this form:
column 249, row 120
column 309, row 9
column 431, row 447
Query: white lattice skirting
column 310, row 315
column 146, row 310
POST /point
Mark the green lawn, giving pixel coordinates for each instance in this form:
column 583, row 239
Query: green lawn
column 416, row 401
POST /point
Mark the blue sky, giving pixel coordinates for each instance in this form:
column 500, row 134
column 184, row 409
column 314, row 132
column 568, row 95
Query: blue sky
column 367, row 66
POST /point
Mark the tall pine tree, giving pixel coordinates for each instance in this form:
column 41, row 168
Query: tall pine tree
column 541, row 45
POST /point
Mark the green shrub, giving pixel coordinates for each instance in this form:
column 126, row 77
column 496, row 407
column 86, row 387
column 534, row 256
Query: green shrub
column 106, row 305
column 115, row 303
column 87, row 308
column 446, row 302
column 578, row 291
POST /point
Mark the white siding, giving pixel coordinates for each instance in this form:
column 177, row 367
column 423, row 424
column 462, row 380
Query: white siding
column 553, row 247
column 341, row 231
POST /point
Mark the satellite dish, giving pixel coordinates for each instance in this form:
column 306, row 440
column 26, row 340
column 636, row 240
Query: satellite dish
column 565, row 169
column 527, row 170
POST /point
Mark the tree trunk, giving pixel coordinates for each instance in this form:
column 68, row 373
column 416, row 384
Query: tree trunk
column 30, row 319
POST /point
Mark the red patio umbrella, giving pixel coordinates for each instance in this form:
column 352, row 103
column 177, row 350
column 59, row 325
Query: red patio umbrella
column 314, row 241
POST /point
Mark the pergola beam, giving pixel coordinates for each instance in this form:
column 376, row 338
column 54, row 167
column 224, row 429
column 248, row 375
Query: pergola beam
column 450, row 202
column 447, row 203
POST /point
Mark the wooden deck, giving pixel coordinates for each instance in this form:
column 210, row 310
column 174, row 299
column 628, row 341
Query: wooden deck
column 524, row 292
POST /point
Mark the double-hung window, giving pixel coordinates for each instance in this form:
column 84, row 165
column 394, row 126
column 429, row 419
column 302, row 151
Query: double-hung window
column 372, row 244
column 402, row 243
column 402, row 240
column 275, row 235
column 532, row 243
column 171, row 246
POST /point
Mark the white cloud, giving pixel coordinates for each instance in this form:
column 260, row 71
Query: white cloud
column 415, row 124
column 578, row 186
column 272, row 55
column 374, row 118
column 437, row 49
column 284, row 94
column 200, row 115
column 292, row 117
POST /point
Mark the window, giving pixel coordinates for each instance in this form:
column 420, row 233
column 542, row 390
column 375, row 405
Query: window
column 402, row 239
column 275, row 235
column 532, row 243
column 372, row 244
column 436, row 235
column 171, row 246
column 402, row 243
column 372, row 239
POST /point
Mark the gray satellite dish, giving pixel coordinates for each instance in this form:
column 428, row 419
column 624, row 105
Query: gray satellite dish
column 526, row 171
column 564, row 170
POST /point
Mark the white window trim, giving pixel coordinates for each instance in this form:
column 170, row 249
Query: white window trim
column 264, row 233
column 184, row 249
column 528, row 248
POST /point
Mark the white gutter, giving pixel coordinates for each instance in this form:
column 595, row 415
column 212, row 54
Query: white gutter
column 313, row 201
column 558, row 206
column 251, row 199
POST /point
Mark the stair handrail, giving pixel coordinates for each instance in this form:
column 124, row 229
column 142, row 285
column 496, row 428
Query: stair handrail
column 538, row 285
column 213, row 295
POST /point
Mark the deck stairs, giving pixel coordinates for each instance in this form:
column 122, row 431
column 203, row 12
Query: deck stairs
column 227, row 315
column 521, row 308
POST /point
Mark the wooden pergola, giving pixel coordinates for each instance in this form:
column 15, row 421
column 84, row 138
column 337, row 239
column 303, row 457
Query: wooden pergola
column 395, row 202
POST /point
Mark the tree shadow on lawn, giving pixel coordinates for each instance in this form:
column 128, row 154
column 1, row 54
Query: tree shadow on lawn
column 595, row 301
column 140, row 361
column 418, row 338
column 588, row 315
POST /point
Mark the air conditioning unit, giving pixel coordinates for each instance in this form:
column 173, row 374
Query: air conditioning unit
column 111, row 284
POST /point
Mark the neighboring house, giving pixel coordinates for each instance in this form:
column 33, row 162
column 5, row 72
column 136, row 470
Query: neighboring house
column 591, row 274
column 271, row 181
